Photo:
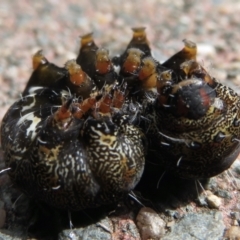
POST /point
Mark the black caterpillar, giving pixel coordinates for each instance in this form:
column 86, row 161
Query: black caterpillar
column 81, row 135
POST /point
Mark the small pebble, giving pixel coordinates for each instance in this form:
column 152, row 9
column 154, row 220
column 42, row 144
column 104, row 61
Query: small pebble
column 150, row 225
column 236, row 164
column 202, row 201
column 223, row 194
column 233, row 233
column 235, row 215
column 235, row 223
column 170, row 224
column 214, row 201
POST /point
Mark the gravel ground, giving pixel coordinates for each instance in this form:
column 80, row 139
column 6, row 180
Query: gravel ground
column 27, row 26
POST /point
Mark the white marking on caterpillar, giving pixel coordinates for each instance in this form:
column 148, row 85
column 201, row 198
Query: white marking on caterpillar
column 178, row 140
column 235, row 139
column 33, row 89
column 29, row 95
column 21, row 96
column 179, row 160
column 65, row 94
column 18, row 157
column 26, row 107
column 33, row 127
column 165, row 144
column 5, row 170
column 28, row 116
column 41, row 141
column 54, row 92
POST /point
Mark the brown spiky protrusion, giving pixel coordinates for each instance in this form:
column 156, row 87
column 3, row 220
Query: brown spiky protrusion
column 189, row 52
column 140, row 41
column 38, row 59
column 87, row 54
column 44, row 74
column 87, row 41
column 190, row 49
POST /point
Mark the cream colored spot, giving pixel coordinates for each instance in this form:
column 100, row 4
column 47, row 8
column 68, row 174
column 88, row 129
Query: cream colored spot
column 49, row 154
column 108, row 139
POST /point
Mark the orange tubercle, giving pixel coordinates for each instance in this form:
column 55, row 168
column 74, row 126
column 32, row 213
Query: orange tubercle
column 105, row 104
column 151, row 81
column 103, row 62
column 118, row 98
column 63, row 115
column 82, row 108
column 148, row 68
column 77, row 75
column 166, row 75
column 133, row 60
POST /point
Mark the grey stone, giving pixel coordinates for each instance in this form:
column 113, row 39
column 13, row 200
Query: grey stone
column 195, row 226
column 100, row 231
column 223, row 194
column 236, row 167
column 9, row 235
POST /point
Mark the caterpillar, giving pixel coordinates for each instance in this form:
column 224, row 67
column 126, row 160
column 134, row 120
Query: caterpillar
column 82, row 134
